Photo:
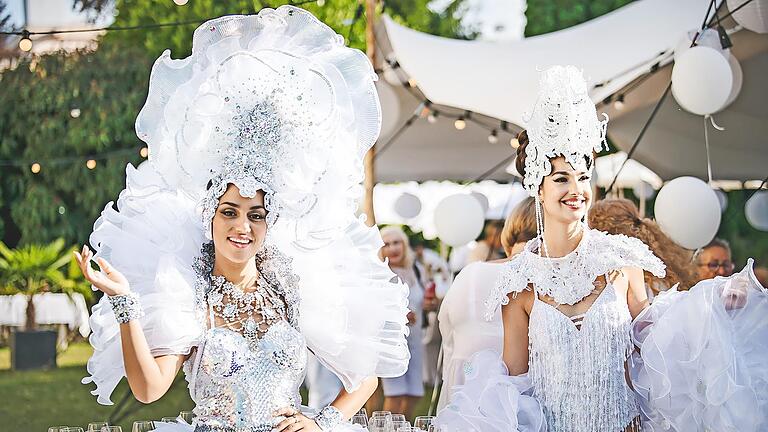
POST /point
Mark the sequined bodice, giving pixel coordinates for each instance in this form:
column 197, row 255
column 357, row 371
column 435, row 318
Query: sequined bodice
column 578, row 373
column 236, row 387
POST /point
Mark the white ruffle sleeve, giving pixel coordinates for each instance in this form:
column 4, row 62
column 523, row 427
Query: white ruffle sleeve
column 151, row 238
column 702, row 365
column 491, row 401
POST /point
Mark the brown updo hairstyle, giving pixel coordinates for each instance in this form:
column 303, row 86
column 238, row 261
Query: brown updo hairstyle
column 522, row 139
column 520, row 226
column 621, row 216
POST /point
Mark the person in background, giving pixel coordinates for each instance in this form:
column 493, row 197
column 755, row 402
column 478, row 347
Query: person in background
column 401, row 394
column 488, row 245
column 714, row 259
column 462, row 324
column 433, row 270
column 519, row 227
column 621, row 216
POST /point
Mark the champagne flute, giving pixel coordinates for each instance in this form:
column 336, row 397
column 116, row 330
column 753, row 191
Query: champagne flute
column 143, row 426
column 360, row 419
column 111, row 429
column 363, row 412
column 186, row 416
column 398, row 417
column 169, row 419
column 96, row 426
column 423, row 422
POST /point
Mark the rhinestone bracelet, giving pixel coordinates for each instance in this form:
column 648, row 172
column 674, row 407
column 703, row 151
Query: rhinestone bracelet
column 329, row 417
column 126, row 307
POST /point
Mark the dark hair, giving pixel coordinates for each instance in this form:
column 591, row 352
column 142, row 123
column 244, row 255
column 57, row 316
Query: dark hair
column 522, row 139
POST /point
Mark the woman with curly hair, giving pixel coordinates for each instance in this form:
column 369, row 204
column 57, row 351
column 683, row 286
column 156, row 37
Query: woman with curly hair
column 621, row 216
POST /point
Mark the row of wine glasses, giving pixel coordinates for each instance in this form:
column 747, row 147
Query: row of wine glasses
column 385, row 421
column 138, row 426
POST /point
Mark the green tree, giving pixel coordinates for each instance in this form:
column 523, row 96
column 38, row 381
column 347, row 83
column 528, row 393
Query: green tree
column 107, row 88
column 545, row 16
column 37, row 122
column 33, row 269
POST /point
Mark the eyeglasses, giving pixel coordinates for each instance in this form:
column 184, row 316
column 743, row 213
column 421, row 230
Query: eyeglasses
column 714, row 265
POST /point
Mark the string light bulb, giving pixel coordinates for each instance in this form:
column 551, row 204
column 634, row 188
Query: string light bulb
column 25, row 44
column 619, row 102
column 91, row 164
column 74, row 112
column 493, row 137
column 412, row 82
column 432, row 117
column 514, row 143
column 144, row 152
column 35, row 168
column 180, row 2
column 460, row 124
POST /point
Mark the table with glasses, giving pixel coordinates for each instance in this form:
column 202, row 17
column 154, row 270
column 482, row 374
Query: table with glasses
column 380, row 421
column 138, row 426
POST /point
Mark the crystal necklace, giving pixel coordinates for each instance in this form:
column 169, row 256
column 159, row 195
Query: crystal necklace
column 248, row 313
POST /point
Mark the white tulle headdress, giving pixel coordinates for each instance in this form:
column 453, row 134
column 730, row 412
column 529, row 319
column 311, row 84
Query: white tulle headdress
column 272, row 102
column 563, row 123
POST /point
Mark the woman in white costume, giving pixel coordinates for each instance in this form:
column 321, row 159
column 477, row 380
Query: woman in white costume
column 236, row 247
column 569, row 300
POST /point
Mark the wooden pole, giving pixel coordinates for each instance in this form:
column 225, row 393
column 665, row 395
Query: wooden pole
column 370, row 172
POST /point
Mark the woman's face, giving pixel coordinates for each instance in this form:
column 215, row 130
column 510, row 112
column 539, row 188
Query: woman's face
column 566, row 193
column 239, row 225
column 394, row 249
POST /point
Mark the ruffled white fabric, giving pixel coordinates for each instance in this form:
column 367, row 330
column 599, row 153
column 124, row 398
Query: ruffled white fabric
column 491, row 401
column 702, row 365
column 352, row 315
column 151, row 240
column 597, row 254
column 463, row 326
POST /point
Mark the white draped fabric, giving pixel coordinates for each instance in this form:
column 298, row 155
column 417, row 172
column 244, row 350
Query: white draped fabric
column 50, row 308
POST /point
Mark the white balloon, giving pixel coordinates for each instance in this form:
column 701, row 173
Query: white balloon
column 459, row 219
column 756, row 210
column 722, row 197
column 407, row 206
column 753, row 16
column 688, row 211
column 702, row 80
column 708, row 38
column 738, row 79
column 482, row 199
column 643, row 190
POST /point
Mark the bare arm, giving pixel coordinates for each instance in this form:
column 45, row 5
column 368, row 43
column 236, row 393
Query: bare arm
column 515, row 319
column 637, row 297
column 148, row 377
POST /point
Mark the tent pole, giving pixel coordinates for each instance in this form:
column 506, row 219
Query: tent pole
column 370, row 172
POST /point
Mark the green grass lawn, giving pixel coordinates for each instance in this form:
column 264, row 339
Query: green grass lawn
column 31, row 401
column 34, row 400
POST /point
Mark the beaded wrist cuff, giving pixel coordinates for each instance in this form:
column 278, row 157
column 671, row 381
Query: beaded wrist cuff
column 126, row 307
column 329, row 417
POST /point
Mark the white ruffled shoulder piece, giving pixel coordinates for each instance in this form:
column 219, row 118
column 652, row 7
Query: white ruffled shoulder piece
column 702, row 355
column 598, row 253
column 279, row 94
column 490, row 400
column 151, row 240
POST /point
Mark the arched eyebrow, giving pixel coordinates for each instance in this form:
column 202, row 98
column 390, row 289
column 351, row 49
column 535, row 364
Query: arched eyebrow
column 568, row 173
column 256, row 207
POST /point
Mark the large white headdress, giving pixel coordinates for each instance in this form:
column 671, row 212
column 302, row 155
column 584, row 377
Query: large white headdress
column 563, row 123
column 271, row 102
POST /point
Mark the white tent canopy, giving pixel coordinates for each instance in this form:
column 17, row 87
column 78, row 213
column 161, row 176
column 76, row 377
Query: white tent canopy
column 498, row 80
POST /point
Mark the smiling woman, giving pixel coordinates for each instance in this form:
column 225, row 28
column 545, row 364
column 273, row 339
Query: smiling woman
column 200, row 272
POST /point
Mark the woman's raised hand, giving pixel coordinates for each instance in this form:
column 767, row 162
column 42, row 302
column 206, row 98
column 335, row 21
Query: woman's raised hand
column 110, row 281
